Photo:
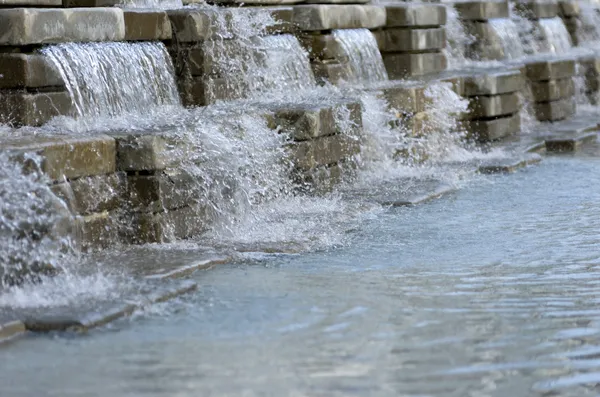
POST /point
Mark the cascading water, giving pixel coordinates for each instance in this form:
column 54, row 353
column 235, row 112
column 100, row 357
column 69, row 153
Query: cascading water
column 522, row 33
column 364, row 58
column 588, row 34
column 458, row 40
column 556, row 37
column 510, row 36
column 109, row 79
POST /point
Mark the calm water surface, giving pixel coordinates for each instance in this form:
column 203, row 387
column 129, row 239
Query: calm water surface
column 491, row 291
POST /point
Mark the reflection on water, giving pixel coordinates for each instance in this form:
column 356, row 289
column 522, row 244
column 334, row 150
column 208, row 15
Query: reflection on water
column 493, row 291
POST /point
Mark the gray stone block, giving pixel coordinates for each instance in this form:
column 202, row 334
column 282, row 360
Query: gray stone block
column 146, row 25
column 323, row 151
column 30, row 3
column 163, row 227
column 482, row 10
column 331, row 71
column 257, row 2
column 415, row 14
column 552, row 90
column 149, row 151
column 493, row 83
column 550, row 69
column 569, row 143
column 348, row 16
column 100, row 230
column 569, row 8
column 405, row 65
column 407, row 98
column 410, row 40
column 11, row 330
column 493, row 106
column 25, row 26
column 88, row 195
column 535, row 9
column 555, row 110
column 28, row 71
column 19, row 108
column 488, row 45
column 323, row 46
column 491, row 130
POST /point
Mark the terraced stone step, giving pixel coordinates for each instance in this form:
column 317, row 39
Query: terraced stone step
column 315, row 17
column 401, row 65
column 550, row 69
column 491, row 130
column 10, row 330
column 481, row 107
column 555, row 110
column 492, row 82
column 411, row 40
column 561, row 144
column 535, row 9
column 19, row 108
column 482, row 10
column 509, row 165
column 28, row 71
column 414, row 15
column 552, row 90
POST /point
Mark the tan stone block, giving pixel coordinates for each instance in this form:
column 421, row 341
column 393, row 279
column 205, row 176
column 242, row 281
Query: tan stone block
column 10, row 330
column 405, row 65
column 331, row 71
column 149, row 151
column 491, row 130
column 408, row 40
column 323, row 47
column 98, row 230
column 550, row 69
column 482, row 10
column 417, row 14
column 346, row 16
column 323, row 151
column 93, row 194
column 28, row 71
column 569, row 8
column 555, row 110
column 493, row 83
column 30, row 3
column 168, row 226
column 146, row 25
column 534, row 9
column 18, row 108
column 406, row 98
column 552, row 90
column 493, row 106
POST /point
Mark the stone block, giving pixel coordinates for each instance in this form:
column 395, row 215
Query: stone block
column 415, row 14
column 19, row 108
column 534, row 9
column 555, row 110
column 324, row 151
column 193, row 25
column 410, row 40
column 323, row 47
column 569, row 143
column 10, row 330
column 149, row 151
column 25, row 26
column 88, row 195
column 488, row 44
column 331, row 71
column 491, row 130
column 28, row 71
column 30, row 3
column 188, row 61
column 569, row 8
column 493, row 106
column 416, row 125
column 332, row 16
column 99, row 230
column 283, row 16
column 146, row 25
column 550, row 69
column 400, row 65
column 257, row 2
column 163, row 227
column 306, row 122
column 552, row 90
column 482, row 10
column 493, row 83
column 91, row 3
column 406, row 98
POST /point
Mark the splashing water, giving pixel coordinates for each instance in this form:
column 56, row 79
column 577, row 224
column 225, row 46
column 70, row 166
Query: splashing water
column 152, row 4
column 525, row 34
column 588, row 34
column 109, row 79
column 457, row 39
column 556, row 37
column 363, row 56
column 510, row 37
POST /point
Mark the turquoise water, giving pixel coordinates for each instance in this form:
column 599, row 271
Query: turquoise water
column 490, row 291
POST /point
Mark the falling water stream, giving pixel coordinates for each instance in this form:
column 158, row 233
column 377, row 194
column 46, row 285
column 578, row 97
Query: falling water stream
column 364, row 58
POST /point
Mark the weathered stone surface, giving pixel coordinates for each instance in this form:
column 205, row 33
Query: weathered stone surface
column 283, row 15
column 149, row 151
column 413, row 15
column 493, row 106
column 24, row 26
column 488, row 44
column 416, row 125
column 534, row 9
column 91, row 3
column 569, row 144
column 493, row 83
column 550, row 69
column 93, row 194
column 406, row 97
column 331, row 71
column 306, row 122
column 146, row 25
column 347, row 16
column 334, row 1
column 98, row 230
column 569, row 8
column 18, row 108
column 28, row 71
column 555, row 110
column 257, row 2
column 193, row 25
column 323, row 151
column 482, row 10
column 168, row 226
column 404, row 65
column 324, row 179
column 11, row 330
column 491, row 130
column 323, row 46
column 552, row 90
column 30, row 3
column 509, row 165
column 408, row 40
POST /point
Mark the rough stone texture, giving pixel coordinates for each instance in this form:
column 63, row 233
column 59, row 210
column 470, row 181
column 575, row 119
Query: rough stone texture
column 89, row 195
column 569, row 144
column 200, row 91
column 98, row 230
column 482, row 10
column 330, row 71
column 550, row 69
column 257, row 2
column 491, row 130
column 307, row 122
column 347, row 16
column 323, row 46
column 146, row 25
column 30, row 3
column 408, row 40
column 406, row 98
column 91, row 3
column 188, row 60
column 149, row 151
column 167, row 226
column 569, row 8
column 493, row 83
column 283, row 15
column 28, row 71
column 18, row 108
column 555, row 110
column 404, row 65
column 413, row 15
column 534, row 9
column 493, row 106
column 11, row 330
column 488, row 44
column 24, row 26
column 552, row 90
column 328, row 150
column 417, row 125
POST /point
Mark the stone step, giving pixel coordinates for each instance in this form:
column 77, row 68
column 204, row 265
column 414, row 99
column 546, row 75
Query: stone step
column 27, row 26
column 482, row 10
column 493, row 82
column 316, row 17
column 550, row 69
column 535, row 9
column 10, row 330
column 483, row 107
column 28, row 71
column 555, row 110
column 328, row 150
column 561, row 144
column 410, row 40
column 569, row 8
column 19, row 108
column 495, row 129
column 148, row 25
column 93, row 194
column 401, row 65
column 552, row 90
column 509, row 165
column 168, row 226
column 414, row 15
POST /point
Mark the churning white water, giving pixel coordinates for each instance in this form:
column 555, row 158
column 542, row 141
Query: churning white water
column 510, row 37
column 363, row 56
column 556, row 37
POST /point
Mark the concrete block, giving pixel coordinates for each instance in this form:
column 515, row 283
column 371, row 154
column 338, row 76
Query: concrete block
column 257, row 2
column 323, row 47
column 149, row 151
column 569, row 143
column 11, row 330
column 30, row 3
column 491, row 130
column 569, row 8
column 90, row 3
column 550, row 69
column 415, row 14
column 88, row 195
column 163, row 227
column 552, row 90
column 555, row 110
column 405, row 65
column 28, row 71
column 25, row 26
column 488, row 44
column 534, row 9
column 482, row 10
column 493, row 106
column 409, row 40
column 99, row 230
column 146, row 25
column 19, row 108
column 329, row 16
column 406, row 98
column 331, row 71
column 493, row 83
column 324, row 151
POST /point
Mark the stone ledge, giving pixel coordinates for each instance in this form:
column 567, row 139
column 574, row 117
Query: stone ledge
column 569, row 8
column 400, row 65
column 534, row 9
column 510, row 165
column 28, row 71
column 348, row 16
column 482, row 10
column 168, row 226
column 93, row 194
column 569, row 144
column 406, row 98
column 555, row 110
column 25, row 26
column 19, row 108
column 407, row 40
column 493, row 106
column 30, row 3
column 493, row 83
column 413, row 15
column 148, row 151
column 99, row 230
column 323, row 46
column 324, row 151
column 146, row 25
column 11, row 330
column 552, row 90
column 331, row 71
column 550, row 69
column 491, row 130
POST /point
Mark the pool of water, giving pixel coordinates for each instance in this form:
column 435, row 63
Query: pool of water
column 491, row 291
